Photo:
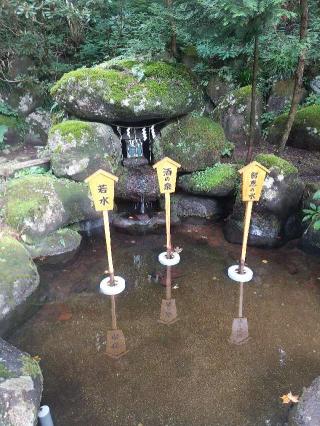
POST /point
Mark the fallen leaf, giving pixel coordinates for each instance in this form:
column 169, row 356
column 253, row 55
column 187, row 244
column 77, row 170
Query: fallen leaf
column 36, row 358
column 286, row 399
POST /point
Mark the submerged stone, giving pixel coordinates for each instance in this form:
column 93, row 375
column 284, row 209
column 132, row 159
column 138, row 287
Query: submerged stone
column 21, row 385
column 19, row 281
column 128, row 90
column 307, row 411
column 79, row 148
column 184, row 206
column 194, row 141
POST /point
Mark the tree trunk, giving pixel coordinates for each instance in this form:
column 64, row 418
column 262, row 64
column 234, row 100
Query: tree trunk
column 298, row 78
column 252, row 129
column 173, row 39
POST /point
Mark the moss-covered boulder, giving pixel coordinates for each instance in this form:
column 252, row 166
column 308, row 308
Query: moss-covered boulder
column 276, row 217
column 19, row 281
column 305, row 133
column 217, row 181
column 218, row 88
column 194, row 141
column 233, row 112
column 38, row 205
column 281, row 95
column 137, row 184
column 128, row 90
column 21, row 385
column 79, row 148
column 57, row 247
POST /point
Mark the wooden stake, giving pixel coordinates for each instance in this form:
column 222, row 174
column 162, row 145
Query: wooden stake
column 247, row 220
column 108, row 244
column 168, row 211
column 113, row 313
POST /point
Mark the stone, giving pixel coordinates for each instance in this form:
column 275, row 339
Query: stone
column 275, row 217
column 125, row 90
column 315, row 85
column 141, row 224
column 217, row 181
column 138, row 183
column 10, row 129
column 184, row 206
column 218, row 88
column 233, row 112
column 307, row 411
column 21, row 385
column 80, row 148
column 305, row 133
column 38, row 122
column 58, row 247
column 281, row 95
column 19, row 282
column 38, row 205
column 194, row 141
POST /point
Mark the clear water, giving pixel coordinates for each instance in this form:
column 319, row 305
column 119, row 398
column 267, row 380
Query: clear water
column 186, row 373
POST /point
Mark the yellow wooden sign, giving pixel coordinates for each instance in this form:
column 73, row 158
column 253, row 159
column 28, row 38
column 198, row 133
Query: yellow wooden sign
column 101, row 186
column 253, row 176
column 167, row 175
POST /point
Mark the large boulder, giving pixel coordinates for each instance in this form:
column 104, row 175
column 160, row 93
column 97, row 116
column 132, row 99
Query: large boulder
column 218, row 88
column 21, row 385
column 19, row 281
column 80, row 148
column 217, row 181
column 128, row 91
column 194, row 141
column 137, row 184
column 275, row 216
column 40, row 204
column 58, row 247
column 233, row 112
column 184, row 206
column 305, row 131
column 307, row 411
column 38, row 122
column 281, row 95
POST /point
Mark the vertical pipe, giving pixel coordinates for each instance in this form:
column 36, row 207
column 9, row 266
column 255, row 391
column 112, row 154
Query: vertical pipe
column 167, row 206
column 113, row 313
column 168, row 283
column 241, row 301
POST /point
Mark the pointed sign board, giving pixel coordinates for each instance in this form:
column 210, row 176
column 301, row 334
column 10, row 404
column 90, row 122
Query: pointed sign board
column 101, row 186
column 253, row 176
column 167, row 177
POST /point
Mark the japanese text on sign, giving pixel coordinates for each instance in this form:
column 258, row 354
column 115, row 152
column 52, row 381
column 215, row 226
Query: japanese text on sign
column 101, row 186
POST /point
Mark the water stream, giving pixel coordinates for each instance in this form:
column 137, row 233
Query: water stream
column 200, row 369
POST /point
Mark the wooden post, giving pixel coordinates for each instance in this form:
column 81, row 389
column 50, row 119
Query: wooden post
column 247, row 220
column 113, row 313
column 108, row 244
column 168, row 223
column 168, row 283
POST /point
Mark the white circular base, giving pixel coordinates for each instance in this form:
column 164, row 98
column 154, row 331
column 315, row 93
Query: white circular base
column 43, row 411
column 233, row 273
column 164, row 260
column 44, row 416
column 111, row 290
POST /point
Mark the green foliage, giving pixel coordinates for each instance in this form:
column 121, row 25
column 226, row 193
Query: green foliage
column 312, row 214
column 312, row 99
column 271, row 160
column 34, row 170
column 213, row 177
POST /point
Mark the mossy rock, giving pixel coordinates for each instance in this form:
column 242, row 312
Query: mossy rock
column 217, row 181
column 55, row 248
column 194, row 141
column 128, row 91
column 79, row 148
column 137, row 184
column 281, row 95
column 305, row 133
column 233, row 112
column 21, row 385
column 185, row 206
column 40, row 204
column 19, row 281
column 272, row 161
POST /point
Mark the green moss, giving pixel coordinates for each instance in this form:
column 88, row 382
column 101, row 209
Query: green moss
column 30, row 367
column 213, row 177
column 72, row 129
column 305, row 117
column 270, row 160
column 9, row 121
column 242, row 94
column 4, row 372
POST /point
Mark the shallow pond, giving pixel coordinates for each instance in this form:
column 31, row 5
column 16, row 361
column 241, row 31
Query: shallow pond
column 188, row 372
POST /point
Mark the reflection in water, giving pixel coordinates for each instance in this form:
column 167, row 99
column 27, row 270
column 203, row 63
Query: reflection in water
column 239, row 332
column 116, row 344
column 168, row 312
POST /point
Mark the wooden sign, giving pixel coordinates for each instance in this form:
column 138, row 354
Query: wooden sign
column 116, row 344
column 168, row 313
column 253, row 176
column 167, row 175
column 101, row 186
